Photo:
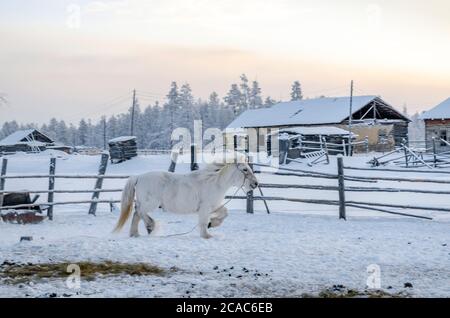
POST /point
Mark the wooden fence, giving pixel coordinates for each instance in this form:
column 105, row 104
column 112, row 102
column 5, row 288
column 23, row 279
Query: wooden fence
column 341, row 179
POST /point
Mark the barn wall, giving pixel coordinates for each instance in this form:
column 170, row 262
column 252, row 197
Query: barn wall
column 381, row 137
column 434, row 128
column 18, row 148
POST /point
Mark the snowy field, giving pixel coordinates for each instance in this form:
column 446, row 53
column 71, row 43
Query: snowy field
column 299, row 249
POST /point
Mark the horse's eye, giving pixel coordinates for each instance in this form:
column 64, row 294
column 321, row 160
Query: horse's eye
column 245, row 170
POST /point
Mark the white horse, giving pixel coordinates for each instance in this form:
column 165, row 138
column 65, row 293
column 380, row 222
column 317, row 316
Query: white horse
column 199, row 192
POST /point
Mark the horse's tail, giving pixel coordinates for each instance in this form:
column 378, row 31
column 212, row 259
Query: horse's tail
column 126, row 203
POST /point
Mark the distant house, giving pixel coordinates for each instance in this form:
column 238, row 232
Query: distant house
column 437, row 126
column 372, row 118
column 30, row 140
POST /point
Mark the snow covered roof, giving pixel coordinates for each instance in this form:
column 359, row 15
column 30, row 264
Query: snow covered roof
column 326, row 110
column 318, row 130
column 123, row 138
column 440, row 111
column 24, row 137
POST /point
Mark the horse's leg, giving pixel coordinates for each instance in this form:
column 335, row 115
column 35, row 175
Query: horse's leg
column 203, row 221
column 142, row 211
column 218, row 217
column 149, row 222
column 134, row 230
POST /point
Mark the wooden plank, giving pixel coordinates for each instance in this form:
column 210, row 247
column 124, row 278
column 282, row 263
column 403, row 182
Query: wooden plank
column 396, row 170
column 341, row 185
column 399, row 179
column 250, row 193
column 68, row 176
column 333, row 202
column 19, row 206
column 51, row 186
column 63, row 191
column 99, row 182
column 390, row 212
column 354, row 179
column 298, row 186
column 265, row 203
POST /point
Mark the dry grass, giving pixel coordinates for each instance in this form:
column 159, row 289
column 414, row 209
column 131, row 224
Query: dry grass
column 21, row 273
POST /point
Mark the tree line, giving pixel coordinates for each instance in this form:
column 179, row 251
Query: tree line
column 154, row 123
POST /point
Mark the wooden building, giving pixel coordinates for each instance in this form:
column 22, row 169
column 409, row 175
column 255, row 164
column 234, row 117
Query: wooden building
column 372, row 118
column 30, row 140
column 437, row 126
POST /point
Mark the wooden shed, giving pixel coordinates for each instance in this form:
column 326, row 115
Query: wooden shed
column 437, row 126
column 30, row 140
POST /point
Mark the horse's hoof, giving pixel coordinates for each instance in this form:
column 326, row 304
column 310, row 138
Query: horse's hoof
column 209, row 225
column 207, row 236
column 134, row 235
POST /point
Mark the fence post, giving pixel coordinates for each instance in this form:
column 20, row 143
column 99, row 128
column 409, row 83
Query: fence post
column 250, row 193
column 194, row 165
column 367, row 144
column 2, row 180
column 326, row 150
column 99, row 183
column 434, row 152
column 173, row 161
column 344, row 148
column 51, row 187
column 340, row 164
column 406, row 154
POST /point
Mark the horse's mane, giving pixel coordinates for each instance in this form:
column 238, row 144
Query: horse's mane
column 212, row 170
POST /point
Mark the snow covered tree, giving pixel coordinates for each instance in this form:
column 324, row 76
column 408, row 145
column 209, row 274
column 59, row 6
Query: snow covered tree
column 233, row 99
column 296, row 91
column 171, row 109
column 255, row 100
column 83, row 131
column 187, row 111
column 245, row 92
column 61, row 133
column 269, row 102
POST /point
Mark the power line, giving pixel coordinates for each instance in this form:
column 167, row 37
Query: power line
column 105, row 106
column 150, row 93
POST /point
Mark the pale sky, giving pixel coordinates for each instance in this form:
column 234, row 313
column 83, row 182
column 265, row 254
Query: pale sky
column 68, row 59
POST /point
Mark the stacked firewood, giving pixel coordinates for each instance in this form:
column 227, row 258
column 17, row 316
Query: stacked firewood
column 122, row 148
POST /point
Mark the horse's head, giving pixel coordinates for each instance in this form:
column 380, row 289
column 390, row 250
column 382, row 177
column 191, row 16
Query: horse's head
column 247, row 178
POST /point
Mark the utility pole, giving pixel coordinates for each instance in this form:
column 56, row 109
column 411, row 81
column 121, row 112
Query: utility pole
column 132, row 113
column 350, row 119
column 104, row 132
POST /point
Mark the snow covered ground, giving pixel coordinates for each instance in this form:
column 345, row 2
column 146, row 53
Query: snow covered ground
column 298, row 249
